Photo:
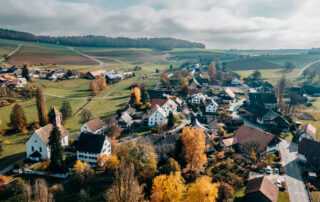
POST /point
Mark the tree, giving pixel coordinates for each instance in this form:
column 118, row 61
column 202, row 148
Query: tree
column 135, row 96
column 18, row 119
column 211, row 70
column 289, row 66
column 225, row 192
column 109, row 162
column 125, row 186
column 281, row 88
column 305, row 73
column 85, row 115
column 40, row 191
column 112, row 128
column 168, row 188
column 202, row 190
column 41, row 107
column 82, row 173
column 164, row 79
column 1, row 145
column 193, row 148
column 66, row 110
column 56, row 159
column 312, row 75
column 140, row 154
column 256, row 75
column 145, row 97
column 25, row 72
column 94, row 86
column 101, row 81
column 170, row 120
column 268, row 158
column 170, row 166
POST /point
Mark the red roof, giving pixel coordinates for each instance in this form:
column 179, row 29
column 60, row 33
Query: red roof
column 158, row 102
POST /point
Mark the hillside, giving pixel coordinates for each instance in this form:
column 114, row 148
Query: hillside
column 102, row 41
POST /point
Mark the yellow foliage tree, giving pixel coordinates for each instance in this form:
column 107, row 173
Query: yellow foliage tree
column 202, row 190
column 109, row 162
column 82, row 172
column 193, row 149
column 211, row 70
column 135, row 95
column 168, row 188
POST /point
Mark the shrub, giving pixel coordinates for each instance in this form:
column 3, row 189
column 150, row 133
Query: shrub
column 18, row 165
column 17, row 186
column 11, row 100
column 4, row 103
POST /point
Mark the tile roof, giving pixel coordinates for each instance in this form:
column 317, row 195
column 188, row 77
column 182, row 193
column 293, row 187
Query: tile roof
column 230, row 141
column 45, row 131
column 154, row 109
column 158, row 102
column 262, row 98
column 309, row 129
column 210, row 101
column 91, row 143
column 126, row 117
column 192, row 91
column 229, row 92
column 95, row 124
column 310, row 149
column 263, row 185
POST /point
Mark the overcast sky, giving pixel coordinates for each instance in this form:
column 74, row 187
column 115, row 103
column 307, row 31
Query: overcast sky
column 220, row 24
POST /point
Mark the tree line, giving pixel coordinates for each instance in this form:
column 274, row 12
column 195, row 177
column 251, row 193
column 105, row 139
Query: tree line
column 102, row 41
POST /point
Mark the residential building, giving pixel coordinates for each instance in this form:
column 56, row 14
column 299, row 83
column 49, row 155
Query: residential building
column 211, row 106
column 197, row 98
column 267, row 100
column 307, row 131
column 261, row 189
column 156, row 116
column 309, row 152
column 95, row 126
column 125, row 120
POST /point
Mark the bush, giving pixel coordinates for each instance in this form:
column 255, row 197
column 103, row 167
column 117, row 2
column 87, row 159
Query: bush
column 18, row 165
column 4, row 103
column 17, row 186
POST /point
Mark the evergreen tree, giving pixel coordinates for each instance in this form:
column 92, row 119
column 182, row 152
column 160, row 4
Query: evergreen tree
column 66, row 110
column 17, row 118
column 56, row 149
column 41, row 107
column 170, row 120
column 145, row 97
column 25, row 72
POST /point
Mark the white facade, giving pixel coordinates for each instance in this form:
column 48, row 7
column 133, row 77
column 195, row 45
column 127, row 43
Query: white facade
column 212, row 107
column 197, row 98
column 92, row 157
column 167, row 109
column 157, row 118
column 85, row 128
column 36, row 144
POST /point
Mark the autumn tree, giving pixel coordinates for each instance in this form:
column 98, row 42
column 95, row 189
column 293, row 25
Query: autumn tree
column 135, row 96
column 125, row 186
column 112, row 128
column 41, row 107
column 94, row 86
column 101, row 81
column 141, row 154
column 82, row 173
column 168, row 188
column 145, row 97
column 170, row 166
column 85, row 115
column 39, row 192
column 164, row 79
column 56, row 159
column 202, row 190
column 18, row 119
column 66, row 110
column 108, row 162
column 268, row 158
column 193, row 149
column 281, row 88
column 211, row 70
column 225, row 192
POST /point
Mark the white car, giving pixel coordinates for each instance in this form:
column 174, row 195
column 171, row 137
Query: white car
column 269, row 170
column 279, row 184
column 276, row 170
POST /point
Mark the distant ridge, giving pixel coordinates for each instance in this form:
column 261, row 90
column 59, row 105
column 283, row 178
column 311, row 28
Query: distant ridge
column 102, row 41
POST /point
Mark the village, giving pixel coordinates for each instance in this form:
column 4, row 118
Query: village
column 241, row 125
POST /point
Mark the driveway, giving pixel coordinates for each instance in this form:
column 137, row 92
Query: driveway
column 293, row 175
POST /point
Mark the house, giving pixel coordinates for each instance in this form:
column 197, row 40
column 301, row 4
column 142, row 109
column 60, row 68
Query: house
column 192, row 91
column 95, row 126
column 307, row 131
column 246, row 137
column 114, row 77
column 211, row 106
column 227, row 96
column 266, row 88
column 125, row 120
column 159, row 94
column 267, row 100
column 37, row 147
column 193, row 83
column 235, row 89
column 197, row 98
column 130, row 111
column 235, row 82
column 94, row 74
column 156, row 116
column 167, row 105
column 309, row 152
column 91, row 146
column 261, row 189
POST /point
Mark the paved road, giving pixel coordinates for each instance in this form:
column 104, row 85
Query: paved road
column 307, row 66
column 101, row 63
column 10, row 167
column 235, row 106
column 13, row 52
column 293, row 177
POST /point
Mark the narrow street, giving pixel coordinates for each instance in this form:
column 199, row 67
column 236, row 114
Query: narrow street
column 293, row 175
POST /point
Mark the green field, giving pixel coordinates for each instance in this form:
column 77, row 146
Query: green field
column 269, row 74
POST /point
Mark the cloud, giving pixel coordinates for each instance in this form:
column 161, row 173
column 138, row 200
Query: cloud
column 263, row 24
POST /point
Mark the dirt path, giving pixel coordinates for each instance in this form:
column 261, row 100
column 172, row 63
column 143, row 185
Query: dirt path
column 100, row 63
column 307, row 66
column 13, row 52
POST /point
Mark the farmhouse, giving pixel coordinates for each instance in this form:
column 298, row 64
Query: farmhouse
column 91, row 146
column 167, row 105
column 307, row 131
column 96, row 73
column 309, row 152
column 211, row 106
column 261, row 189
column 114, row 77
column 156, row 116
column 267, row 100
column 227, row 96
column 125, row 120
column 37, row 147
column 95, row 126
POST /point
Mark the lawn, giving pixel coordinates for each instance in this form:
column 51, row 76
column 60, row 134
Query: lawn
column 283, row 197
column 269, row 73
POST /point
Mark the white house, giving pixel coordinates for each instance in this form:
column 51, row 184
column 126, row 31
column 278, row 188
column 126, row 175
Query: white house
column 307, row 131
column 125, row 120
column 211, row 106
column 236, row 82
column 94, row 126
column 169, row 106
column 91, row 146
column 37, row 147
column 197, row 98
column 156, row 116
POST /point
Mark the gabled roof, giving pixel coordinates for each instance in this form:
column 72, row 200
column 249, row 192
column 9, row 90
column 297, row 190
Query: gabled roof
column 229, row 92
column 194, row 83
column 230, row 141
column 154, row 109
column 130, row 110
column 192, row 91
column 256, row 110
column 159, row 102
column 97, row 73
column 196, row 124
column 262, row 98
column 172, row 104
column 95, row 124
column 309, row 129
column 247, row 135
column 126, row 117
column 54, row 112
column 178, row 101
column 91, row 143
column 210, row 101
column 45, row 131
column 263, row 185
column 234, row 89
column 310, row 149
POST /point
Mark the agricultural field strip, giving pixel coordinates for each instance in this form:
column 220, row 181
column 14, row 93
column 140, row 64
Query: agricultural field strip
column 101, row 63
column 84, row 98
column 13, row 52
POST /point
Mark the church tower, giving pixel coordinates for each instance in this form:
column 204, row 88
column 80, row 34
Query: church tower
column 55, row 116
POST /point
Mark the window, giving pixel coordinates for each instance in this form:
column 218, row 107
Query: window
column 32, row 148
column 40, row 149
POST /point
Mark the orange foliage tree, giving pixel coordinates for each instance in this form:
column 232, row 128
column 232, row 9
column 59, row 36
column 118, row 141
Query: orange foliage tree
column 135, row 96
column 202, row 190
column 193, row 149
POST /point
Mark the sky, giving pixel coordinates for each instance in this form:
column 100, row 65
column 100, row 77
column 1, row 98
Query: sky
column 220, row 24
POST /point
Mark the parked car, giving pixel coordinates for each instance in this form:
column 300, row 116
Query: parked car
column 269, row 170
column 279, row 184
column 276, row 170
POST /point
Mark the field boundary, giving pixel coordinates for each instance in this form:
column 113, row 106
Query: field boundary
column 100, row 63
column 13, row 52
